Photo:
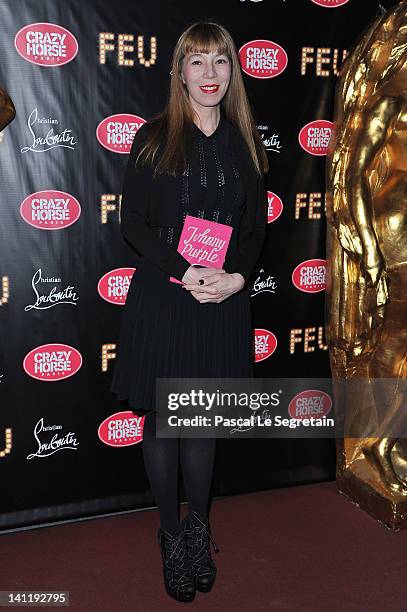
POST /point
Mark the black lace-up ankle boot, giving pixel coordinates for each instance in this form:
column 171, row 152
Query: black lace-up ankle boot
column 197, row 535
column 178, row 578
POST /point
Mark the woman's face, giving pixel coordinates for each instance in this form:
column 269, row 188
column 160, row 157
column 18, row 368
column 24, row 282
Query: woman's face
column 206, row 77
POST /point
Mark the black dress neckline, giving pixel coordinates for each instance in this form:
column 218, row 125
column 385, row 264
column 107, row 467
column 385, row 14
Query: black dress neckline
column 219, row 128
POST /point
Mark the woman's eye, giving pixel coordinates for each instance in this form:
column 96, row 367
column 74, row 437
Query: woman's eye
column 219, row 60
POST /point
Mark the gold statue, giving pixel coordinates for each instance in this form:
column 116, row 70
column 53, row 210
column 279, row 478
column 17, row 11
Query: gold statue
column 7, row 110
column 367, row 267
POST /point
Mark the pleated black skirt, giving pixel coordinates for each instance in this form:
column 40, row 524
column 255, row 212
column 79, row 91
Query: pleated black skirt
column 166, row 333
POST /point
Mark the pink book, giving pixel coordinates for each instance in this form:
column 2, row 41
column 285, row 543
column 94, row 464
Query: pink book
column 203, row 243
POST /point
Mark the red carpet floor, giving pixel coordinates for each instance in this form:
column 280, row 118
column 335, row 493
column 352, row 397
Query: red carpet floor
column 303, row 548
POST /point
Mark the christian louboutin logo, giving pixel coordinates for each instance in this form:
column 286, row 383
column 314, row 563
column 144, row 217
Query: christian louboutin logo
column 271, row 141
column 53, row 297
column 263, row 283
column 48, row 446
column 44, row 138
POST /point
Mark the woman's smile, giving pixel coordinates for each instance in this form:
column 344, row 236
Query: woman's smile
column 209, row 89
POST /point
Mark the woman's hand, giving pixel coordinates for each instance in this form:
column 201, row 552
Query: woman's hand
column 194, row 274
column 216, row 287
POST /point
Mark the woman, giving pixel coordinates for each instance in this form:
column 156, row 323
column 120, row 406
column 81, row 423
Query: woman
column 201, row 156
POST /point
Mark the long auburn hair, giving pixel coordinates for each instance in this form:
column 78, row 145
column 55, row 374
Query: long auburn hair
column 170, row 128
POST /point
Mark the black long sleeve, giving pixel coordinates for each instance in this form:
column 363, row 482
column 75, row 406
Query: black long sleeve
column 134, row 215
column 250, row 243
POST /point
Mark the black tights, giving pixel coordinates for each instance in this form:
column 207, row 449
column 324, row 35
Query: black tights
column 161, row 457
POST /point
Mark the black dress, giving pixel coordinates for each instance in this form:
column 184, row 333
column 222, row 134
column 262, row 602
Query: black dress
column 165, row 331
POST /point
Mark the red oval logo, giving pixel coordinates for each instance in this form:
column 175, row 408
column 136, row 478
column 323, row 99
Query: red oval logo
column 52, row 362
column 275, row 207
column 116, row 132
column 263, row 59
column 46, row 44
column 121, row 429
column 50, row 209
column 310, row 403
column 309, row 276
column 315, row 136
column 114, row 285
column 330, row 3
column 265, row 343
